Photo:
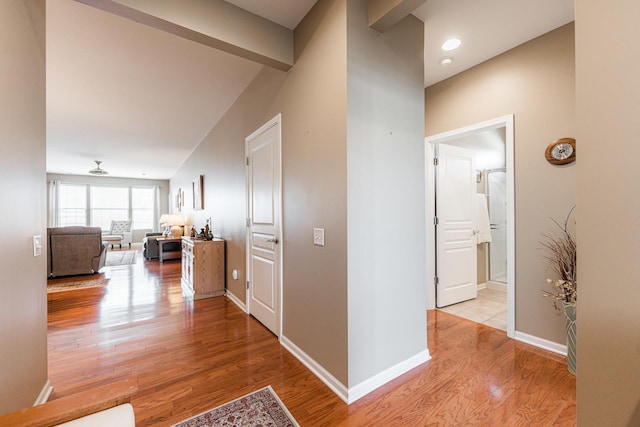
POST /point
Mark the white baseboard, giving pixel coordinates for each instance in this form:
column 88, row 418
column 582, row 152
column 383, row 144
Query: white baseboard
column 482, row 286
column 541, row 343
column 332, row 382
column 234, row 299
column 496, row 286
column 358, row 391
column 350, row 395
column 46, row 391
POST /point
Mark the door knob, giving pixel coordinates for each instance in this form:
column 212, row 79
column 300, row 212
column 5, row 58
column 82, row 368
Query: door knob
column 274, row 240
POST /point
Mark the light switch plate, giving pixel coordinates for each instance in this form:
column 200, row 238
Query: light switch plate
column 318, row 236
column 37, row 245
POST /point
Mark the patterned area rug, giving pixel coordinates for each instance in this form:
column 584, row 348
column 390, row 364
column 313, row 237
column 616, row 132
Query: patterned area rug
column 120, row 258
column 53, row 286
column 260, row 408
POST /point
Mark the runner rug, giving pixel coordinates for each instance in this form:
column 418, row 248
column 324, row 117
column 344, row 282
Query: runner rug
column 120, row 258
column 53, row 286
column 260, row 408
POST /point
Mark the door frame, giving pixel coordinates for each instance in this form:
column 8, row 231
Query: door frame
column 508, row 123
column 277, row 122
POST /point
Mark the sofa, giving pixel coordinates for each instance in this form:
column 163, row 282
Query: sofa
column 150, row 246
column 75, row 250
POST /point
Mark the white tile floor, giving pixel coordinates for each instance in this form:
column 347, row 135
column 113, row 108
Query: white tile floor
column 490, row 308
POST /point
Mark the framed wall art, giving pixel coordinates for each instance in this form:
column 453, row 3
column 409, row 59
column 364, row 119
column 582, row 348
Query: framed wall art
column 198, row 196
column 179, row 200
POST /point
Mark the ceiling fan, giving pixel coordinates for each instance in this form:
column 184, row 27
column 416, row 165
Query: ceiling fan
column 98, row 170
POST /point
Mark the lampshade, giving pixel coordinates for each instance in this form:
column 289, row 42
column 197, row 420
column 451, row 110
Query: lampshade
column 176, row 222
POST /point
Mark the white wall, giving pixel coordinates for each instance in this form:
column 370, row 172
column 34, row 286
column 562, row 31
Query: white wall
column 23, row 306
column 386, row 194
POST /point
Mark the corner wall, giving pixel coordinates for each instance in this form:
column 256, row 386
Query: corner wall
column 608, row 101
column 386, row 195
column 535, row 82
column 23, row 306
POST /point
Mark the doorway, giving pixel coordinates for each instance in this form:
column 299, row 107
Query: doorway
column 465, row 137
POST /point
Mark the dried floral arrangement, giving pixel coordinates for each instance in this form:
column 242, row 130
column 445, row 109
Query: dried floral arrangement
column 561, row 253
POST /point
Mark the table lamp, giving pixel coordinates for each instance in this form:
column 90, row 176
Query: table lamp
column 176, row 222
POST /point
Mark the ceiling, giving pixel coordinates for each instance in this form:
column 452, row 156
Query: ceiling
column 141, row 100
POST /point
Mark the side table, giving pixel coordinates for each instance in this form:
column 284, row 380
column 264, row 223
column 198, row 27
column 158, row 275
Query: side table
column 162, row 254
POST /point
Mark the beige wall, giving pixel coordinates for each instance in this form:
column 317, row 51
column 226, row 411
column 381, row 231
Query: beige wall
column 314, row 135
column 313, row 98
column 608, row 102
column 221, row 159
column 535, row 82
column 23, row 306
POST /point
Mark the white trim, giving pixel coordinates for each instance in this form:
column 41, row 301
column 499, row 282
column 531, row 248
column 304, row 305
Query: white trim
column 541, row 343
column 332, row 382
column 482, row 286
column 234, row 299
column 350, row 395
column 360, row 390
column 506, row 122
column 496, row 286
column 46, row 391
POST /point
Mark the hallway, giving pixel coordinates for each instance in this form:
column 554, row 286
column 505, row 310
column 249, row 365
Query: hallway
column 189, row 356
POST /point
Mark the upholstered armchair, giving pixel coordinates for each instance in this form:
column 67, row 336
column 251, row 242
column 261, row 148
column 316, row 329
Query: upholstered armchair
column 119, row 233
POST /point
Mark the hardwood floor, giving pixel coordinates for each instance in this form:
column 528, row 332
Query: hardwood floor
column 188, row 357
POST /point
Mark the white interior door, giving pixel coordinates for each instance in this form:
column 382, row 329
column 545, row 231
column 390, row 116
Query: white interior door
column 455, row 230
column 263, row 225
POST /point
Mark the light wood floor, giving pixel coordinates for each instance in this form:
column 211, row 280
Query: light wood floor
column 188, row 357
column 489, row 308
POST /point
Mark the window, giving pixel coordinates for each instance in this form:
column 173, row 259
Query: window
column 142, row 208
column 72, row 199
column 108, row 203
column 97, row 205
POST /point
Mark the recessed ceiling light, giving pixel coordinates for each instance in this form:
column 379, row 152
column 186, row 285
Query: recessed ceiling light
column 451, row 44
column 446, row 61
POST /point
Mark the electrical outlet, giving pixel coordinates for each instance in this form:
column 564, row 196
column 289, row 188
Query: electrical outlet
column 318, row 236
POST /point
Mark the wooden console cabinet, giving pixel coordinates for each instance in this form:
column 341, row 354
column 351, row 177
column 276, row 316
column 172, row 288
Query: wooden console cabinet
column 202, row 268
